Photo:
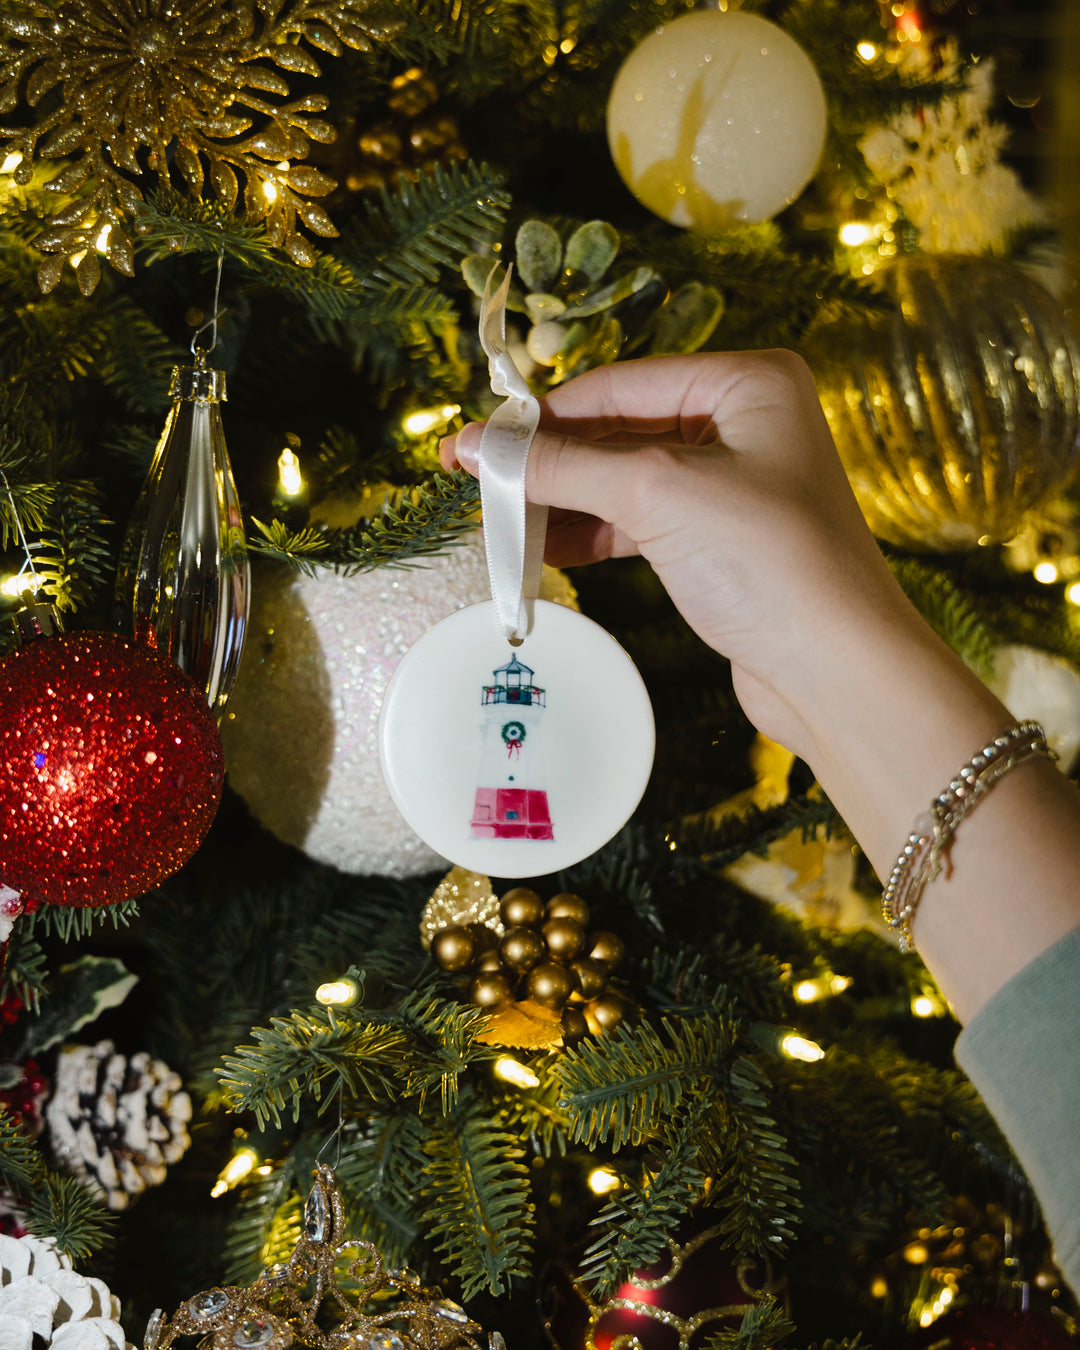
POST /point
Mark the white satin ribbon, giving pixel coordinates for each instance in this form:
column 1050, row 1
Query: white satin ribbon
column 514, row 528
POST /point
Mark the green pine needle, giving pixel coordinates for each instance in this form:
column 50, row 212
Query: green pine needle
column 479, row 1213
column 63, row 1208
column 21, row 1164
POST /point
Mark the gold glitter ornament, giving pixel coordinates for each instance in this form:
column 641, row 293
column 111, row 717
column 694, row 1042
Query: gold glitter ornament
column 462, row 897
column 959, row 411
column 192, row 93
column 371, row 1305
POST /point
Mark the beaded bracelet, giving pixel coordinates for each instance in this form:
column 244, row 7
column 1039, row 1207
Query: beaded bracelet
column 932, row 833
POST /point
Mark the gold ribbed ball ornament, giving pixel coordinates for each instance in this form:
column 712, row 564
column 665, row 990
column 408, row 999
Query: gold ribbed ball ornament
column 549, row 984
column 521, row 948
column 491, row 990
column 453, row 948
column 564, row 938
column 607, row 949
column 604, row 1013
column 959, row 410
column 566, row 905
column 521, row 908
column 590, row 977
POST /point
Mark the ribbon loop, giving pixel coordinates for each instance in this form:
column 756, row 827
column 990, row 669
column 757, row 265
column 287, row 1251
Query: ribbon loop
column 514, row 528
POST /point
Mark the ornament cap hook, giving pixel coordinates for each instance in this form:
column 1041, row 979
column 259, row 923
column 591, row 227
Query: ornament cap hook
column 35, row 619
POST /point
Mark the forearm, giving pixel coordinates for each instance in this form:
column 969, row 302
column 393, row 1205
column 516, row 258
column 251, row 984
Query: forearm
column 889, row 721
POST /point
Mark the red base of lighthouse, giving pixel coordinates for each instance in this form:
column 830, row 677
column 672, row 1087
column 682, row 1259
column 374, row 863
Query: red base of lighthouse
column 511, row 813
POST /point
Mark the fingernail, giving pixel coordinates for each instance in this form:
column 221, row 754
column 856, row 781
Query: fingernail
column 468, row 446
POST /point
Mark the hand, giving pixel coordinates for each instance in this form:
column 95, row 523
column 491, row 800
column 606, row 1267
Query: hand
column 720, row 470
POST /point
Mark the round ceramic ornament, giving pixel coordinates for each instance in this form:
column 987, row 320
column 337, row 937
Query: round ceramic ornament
column 716, row 117
column 516, row 736
column 516, row 761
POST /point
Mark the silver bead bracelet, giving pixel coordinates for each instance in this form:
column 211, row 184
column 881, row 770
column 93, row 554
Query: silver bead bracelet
column 921, row 858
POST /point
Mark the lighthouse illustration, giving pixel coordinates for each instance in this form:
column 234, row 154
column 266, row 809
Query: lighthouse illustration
column 511, row 797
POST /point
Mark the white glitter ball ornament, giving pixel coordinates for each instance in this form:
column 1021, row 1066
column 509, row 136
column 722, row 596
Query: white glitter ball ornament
column 716, row 117
column 301, row 730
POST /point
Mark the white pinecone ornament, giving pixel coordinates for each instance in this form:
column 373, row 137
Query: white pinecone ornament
column 45, row 1305
column 116, row 1122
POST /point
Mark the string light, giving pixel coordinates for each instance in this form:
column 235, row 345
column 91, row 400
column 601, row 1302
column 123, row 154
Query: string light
column 234, row 1171
column 511, row 1071
column 926, row 1005
column 420, row 423
column 798, row 1047
column 336, row 993
column 855, row 232
column 1072, row 594
column 866, row 50
column 1046, row 572
column 807, row 991
column 21, row 581
column 602, row 1181
column 289, row 477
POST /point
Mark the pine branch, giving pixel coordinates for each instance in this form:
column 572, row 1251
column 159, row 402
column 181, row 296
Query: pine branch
column 63, row 1208
column 614, row 1091
column 417, row 523
column 480, row 1216
column 428, row 225
column 637, row 1222
column 70, row 924
column 381, row 1159
column 25, row 970
column 725, row 839
column 953, row 615
column 265, row 1225
column 763, row 1327
column 756, row 1186
column 22, row 1167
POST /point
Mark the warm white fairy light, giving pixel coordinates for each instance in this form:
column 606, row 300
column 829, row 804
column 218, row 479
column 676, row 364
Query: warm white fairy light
column 602, row 1181
column 798, row 1047
column 336, row 993
column 234, row 1171
column 420, row 423
column 289, row 477
column 1072, row 593
column 866, row 50
column 513, row 1071
column 21, row 581
column 855, row 232
column 1046, row 572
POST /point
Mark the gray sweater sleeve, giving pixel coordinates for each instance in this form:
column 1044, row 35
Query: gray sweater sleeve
column 1022, row 1052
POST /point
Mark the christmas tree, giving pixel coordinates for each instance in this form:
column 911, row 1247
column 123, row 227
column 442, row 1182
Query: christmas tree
column 687, row 1088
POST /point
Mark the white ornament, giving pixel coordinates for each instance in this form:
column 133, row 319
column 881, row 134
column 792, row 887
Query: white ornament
column 1046, row 688
column 46, row 1305
column 717, row 117
column 319, row 655
column 516, row 761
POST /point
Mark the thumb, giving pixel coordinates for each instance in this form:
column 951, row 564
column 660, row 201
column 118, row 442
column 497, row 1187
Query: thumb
column 562, row 471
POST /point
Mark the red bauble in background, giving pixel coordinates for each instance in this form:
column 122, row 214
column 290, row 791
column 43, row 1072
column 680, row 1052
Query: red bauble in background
column 691, row 1293
column 110, row 769
column 993, row 1329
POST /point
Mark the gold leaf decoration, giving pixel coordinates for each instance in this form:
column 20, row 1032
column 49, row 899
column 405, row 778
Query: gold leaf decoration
column 188, row 92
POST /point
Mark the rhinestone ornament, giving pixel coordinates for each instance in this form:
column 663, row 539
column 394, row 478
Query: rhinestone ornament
column 110, row 769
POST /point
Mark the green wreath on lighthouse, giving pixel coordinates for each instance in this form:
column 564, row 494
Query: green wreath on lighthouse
column 513, row 734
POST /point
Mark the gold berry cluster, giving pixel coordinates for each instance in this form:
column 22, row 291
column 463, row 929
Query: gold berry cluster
column 546, row 956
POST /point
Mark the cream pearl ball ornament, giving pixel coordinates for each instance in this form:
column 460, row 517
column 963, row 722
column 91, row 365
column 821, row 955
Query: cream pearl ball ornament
column 301, row 730
column 716, row 118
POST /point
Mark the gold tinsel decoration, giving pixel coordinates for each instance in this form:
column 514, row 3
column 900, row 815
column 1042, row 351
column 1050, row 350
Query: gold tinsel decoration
column 957, row 412
column 193, row 91
column 369, row 1305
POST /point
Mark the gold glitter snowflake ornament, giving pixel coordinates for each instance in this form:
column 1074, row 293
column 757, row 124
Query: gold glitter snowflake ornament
column 188, row 91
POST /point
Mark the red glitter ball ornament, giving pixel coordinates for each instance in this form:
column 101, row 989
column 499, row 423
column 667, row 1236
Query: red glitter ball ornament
column 110, row 769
